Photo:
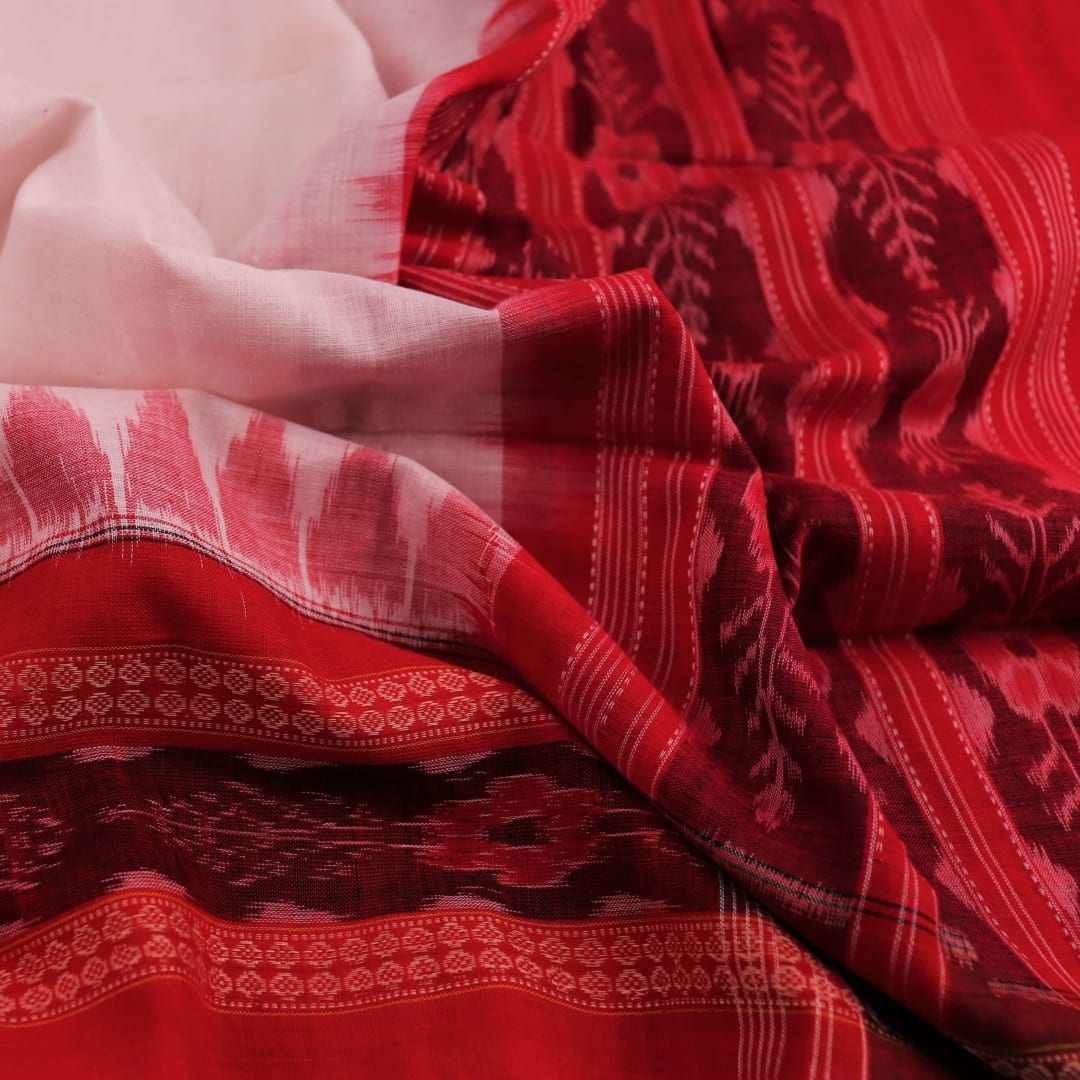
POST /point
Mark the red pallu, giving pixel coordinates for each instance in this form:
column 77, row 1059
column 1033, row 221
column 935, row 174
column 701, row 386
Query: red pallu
column 661, row 663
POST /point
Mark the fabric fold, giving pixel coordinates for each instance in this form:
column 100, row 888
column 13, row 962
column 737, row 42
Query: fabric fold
column 547, row 529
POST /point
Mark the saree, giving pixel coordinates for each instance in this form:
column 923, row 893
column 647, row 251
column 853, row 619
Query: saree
column 539, row 539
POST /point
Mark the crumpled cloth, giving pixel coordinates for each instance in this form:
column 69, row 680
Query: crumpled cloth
column 539, row 539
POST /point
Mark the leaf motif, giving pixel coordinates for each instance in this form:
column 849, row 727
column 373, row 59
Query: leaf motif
column 892, row 196
column 620, row 94
column 1025, row 564
column 956, row 332
column 799, row 90
column 680, row 239
column 768, row 677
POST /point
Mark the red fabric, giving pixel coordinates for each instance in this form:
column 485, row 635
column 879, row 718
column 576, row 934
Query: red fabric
column 735, row 728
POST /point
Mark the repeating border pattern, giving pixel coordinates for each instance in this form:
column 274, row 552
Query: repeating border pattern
column 677, row 962
column 56, row 693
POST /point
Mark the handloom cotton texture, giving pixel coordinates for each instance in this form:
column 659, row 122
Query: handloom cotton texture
column 539, row 539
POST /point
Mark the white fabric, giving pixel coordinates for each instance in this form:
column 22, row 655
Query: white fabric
column 222, row 99
column 141, row 141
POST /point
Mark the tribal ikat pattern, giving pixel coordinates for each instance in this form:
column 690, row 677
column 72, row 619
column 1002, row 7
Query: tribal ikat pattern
column 673, row 963
column 46, row 695
column 882, row 301
column 678, row 632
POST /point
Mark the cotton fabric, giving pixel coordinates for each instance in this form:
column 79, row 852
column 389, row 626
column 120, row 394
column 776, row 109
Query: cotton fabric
column 539, row 540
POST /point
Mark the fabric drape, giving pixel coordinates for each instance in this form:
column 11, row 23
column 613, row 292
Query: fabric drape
column 539, row 539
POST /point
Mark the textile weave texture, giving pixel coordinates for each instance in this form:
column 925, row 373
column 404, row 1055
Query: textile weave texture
column 539, row 539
